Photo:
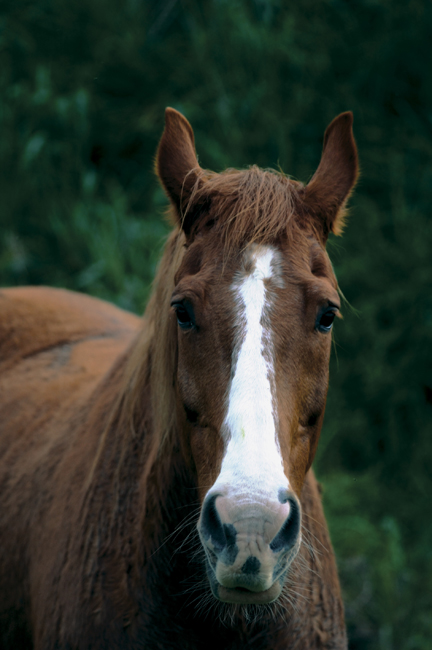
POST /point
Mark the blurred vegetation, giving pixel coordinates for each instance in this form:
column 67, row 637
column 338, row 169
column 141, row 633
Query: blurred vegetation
column 83, row 86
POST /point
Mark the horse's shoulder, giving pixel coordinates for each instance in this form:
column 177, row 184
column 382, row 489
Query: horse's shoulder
column 34, row 319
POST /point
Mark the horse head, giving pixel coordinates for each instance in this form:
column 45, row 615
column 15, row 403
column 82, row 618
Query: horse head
column 255, row 298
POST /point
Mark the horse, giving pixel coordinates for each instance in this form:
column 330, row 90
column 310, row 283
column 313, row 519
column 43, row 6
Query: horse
column 156, row 488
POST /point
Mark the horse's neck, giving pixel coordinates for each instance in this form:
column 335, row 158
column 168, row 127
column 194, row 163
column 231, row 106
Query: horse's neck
column 138, row 508
column 156, row 482
column 169, row 492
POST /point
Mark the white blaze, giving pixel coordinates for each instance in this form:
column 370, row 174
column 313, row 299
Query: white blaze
column 252, row 465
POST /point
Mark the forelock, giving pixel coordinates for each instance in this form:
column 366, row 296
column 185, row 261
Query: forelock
column 246, row 206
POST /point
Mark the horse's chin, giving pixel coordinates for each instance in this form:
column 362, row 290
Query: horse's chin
column 240, row 596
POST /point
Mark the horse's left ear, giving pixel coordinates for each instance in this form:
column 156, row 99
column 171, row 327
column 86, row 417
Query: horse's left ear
column 326, row 194
column 177, row 163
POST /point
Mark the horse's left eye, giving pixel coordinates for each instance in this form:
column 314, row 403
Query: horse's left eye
column 184, row 318
column 325, row 320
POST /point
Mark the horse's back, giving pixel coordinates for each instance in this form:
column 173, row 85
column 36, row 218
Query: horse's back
column 34, row 319
column 56, row 347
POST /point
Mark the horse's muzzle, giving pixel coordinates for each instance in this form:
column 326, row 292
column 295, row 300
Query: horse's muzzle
column 249, row 546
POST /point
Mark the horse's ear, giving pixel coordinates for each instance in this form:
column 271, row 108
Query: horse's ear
column 327, row 192
column 176, row 161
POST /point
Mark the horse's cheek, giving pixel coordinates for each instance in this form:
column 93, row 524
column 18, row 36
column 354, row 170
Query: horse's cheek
column 186, row 377
column 299, row 458
column 207, row 451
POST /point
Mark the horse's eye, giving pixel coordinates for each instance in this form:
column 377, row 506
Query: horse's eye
column 325, row 320
column 184, row 318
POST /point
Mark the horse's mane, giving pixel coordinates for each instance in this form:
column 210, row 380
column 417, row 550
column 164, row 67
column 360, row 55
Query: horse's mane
column 251, row 205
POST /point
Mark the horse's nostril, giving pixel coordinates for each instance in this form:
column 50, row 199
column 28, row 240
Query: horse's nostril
column 211, row 525
column 288, row 534
column 283, row 495
column 221, row 536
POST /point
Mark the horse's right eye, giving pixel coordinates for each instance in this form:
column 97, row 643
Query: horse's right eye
column 325, row 320
column 184, row 318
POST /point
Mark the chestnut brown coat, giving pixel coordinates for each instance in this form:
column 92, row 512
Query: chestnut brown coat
column 111, row 426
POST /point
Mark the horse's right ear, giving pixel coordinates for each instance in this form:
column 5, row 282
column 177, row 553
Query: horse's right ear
column 327, row 193
column 177, row 163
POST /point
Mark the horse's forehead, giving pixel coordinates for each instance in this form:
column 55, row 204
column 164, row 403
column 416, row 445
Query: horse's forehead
column 217, row 267
column 262, row 263
column 216, row 253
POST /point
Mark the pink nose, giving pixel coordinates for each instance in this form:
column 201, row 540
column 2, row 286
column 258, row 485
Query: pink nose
column 263, row 528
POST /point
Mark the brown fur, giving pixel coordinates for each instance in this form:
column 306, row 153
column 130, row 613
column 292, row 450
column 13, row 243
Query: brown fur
column 102, row 474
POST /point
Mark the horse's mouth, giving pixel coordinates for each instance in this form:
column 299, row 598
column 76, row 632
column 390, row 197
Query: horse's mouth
column 242, row 596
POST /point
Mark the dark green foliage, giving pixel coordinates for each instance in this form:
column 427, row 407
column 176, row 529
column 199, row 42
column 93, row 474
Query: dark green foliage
column 83, row 86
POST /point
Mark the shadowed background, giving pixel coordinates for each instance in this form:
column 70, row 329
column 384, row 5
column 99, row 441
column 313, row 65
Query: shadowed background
column 83, row 86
